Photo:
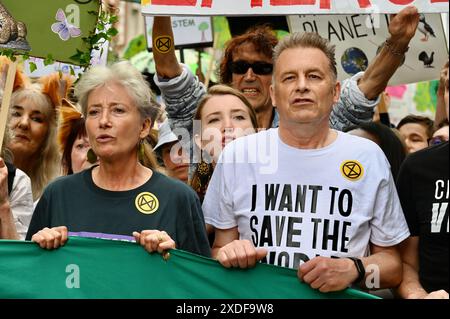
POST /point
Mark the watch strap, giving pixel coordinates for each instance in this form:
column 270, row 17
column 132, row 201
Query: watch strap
column 360, row 268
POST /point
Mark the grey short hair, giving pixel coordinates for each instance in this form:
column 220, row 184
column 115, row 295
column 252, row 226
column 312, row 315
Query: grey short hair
column 307, row 40
column 126, row 75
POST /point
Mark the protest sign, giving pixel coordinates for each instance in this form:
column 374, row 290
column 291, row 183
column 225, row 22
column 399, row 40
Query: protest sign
column 188, row 32
column 358, row 38
column 285, row 7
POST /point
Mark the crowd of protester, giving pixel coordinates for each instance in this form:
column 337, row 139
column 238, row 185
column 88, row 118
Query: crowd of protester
column 279, row 163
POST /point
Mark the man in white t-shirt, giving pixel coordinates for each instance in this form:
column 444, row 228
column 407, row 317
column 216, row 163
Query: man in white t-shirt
column 304, row 194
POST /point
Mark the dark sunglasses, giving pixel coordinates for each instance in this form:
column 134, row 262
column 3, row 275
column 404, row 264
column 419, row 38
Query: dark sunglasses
column 260, row 68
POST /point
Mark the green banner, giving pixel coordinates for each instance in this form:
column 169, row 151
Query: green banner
column 47, row 27
column 98, row 268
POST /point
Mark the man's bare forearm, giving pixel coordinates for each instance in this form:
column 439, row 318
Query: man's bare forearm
column 410, row 287
column 386, row 262
column 402, row 28
column 382, row 68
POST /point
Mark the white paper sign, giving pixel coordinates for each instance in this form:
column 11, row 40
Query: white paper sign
column 187, row 31
column 358, row 37
column 285, row 7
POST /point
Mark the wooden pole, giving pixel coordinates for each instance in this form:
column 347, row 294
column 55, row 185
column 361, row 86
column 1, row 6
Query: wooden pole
column 6, row 99
column 211, row 62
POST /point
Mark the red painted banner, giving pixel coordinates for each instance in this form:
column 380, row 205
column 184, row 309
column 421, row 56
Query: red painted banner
column 286, row 7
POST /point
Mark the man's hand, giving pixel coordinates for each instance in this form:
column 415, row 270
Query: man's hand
column 380, row 70
column 51, row 238
column 328, row 274
column 403, row 25
column 240, row 254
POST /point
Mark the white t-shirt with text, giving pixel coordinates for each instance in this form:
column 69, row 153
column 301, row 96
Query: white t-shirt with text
column 302, row 203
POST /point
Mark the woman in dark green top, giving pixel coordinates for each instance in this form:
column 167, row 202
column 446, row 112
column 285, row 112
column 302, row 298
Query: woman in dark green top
column 120, row 197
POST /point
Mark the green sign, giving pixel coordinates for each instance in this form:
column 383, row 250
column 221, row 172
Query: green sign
column 47, row 27
column 99, row 268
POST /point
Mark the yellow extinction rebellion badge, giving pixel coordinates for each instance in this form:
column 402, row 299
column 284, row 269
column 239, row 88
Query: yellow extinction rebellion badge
column 163, row 44
column 146, row 203
column 352, row 170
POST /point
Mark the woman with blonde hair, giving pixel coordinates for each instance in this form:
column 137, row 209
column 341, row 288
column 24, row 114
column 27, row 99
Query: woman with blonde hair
column 33, row 124
column 16, row 200
column 119, row 198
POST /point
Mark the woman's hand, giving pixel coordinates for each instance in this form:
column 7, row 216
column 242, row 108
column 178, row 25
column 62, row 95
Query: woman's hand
column 154, row 240
column 51, row 238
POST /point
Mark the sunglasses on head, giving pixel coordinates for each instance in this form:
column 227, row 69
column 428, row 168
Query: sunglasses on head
column 260, row 68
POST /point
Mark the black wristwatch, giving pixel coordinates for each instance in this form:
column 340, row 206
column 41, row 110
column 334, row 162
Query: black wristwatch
column 360, row 268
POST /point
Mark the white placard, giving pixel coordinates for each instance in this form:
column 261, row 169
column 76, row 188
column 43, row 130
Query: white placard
column 358, row 37
column 285, row 7
column 187, row 31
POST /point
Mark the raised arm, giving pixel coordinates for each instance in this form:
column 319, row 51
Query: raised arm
column 360, row 93
column 402, row 28
column 180, row 88
column 441, row 113
column 166, row 62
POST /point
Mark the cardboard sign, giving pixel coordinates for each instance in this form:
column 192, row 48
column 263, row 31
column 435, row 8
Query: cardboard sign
column 47, row 26
column 187, row 31
column 359, row 37
column 285, row 7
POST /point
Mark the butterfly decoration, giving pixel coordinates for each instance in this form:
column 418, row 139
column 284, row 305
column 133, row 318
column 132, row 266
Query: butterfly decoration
column 64, row 29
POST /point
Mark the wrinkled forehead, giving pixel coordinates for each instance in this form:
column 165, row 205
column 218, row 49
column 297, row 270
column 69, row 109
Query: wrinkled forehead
column 112, row 91
column 306, row 58
column 111, row 86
